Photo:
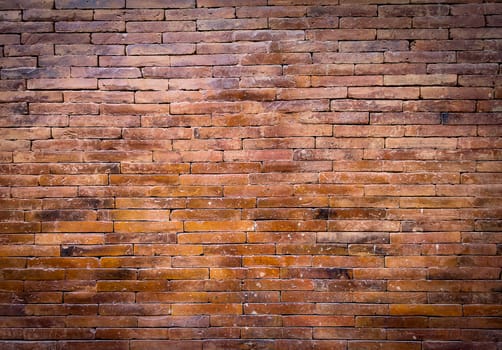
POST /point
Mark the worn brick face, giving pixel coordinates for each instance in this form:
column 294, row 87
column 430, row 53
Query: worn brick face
column 250, row 174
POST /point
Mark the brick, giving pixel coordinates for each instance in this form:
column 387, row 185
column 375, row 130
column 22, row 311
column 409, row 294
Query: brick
column 475, row 33
column 133, row 109
column 45, row 72
column 204, row 60
column 179, row 72
column 87, row 26
column 375, row 22
column 88, row 49
column 125, row 38
column 424, row 56
column 413, row 10
column 449, row 22
column 62, row 4
column 461, row 68
column 160, row 49
column 128, row 15
column 349, row 57
column 133, row 84
column 439, row 106
column 43, row 192
column 455, row 93
column 55, row 38
column 195, row 37
column 416, row 141
column 299, row 93
column 346, row 80
column 159, row 4
column 107, row 97
column 384, row 92
column 320, row 69
column 299, row 23
column 390, row 68
column 201, row 309
column 270, row 82
column 160, row 26
column 371, row 46
column 419, row 79
column 231, row 24
column 62, row 108
column 221, row 3
column 367, row 105
column 105, row 72
column 432, row 310
column 191, row 156
column 34, row 50
column 412, row 34
column 11, row 15
column 56, row 15
column 26, row 4
column 340, row 34
column 25, row 27
column 77, row 226
column 200, row 13
column 62, row 84
column 218, row 226
column 15, row 62
column 391, row 322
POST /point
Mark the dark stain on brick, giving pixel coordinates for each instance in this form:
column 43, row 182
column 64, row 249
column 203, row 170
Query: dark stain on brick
column 335, row 273
column 323, row 214
column 70, row 251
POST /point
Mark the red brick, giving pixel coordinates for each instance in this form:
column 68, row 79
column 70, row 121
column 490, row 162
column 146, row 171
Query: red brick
column 61, row 4
column 413, row 10
column 373, row 345
column 197, row 226
column 375, row 22
column 462, row 68
column 128, row 15
column 160, row 26
column 275, row 58
column 205, row 309
column 62, row 84
column 471, row 21
column 475, row 33
column 159, row 4
column 368, row 105
column 409, row 34
column 371, row 46
column 160, row 49
column 22, row 50
column 419, row 79
column 87, row 26
column 352, row 333
column 55, row 38
column 320, row 69
column 133, row 84
column 455, row 93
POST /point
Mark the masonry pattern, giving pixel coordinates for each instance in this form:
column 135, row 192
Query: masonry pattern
column 250, row 174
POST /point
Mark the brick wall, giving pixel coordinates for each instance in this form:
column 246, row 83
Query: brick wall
column 250, row 174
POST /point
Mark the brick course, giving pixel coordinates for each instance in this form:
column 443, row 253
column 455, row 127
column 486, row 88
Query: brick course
column 237, row 174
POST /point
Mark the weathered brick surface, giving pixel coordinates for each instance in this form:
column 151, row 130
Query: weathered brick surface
column 250, row 174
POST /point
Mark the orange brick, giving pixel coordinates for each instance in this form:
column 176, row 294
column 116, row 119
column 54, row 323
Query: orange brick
column 207, row 309
column 167, row 249
column 219, row 226
column 77, row 226
column 428, row 310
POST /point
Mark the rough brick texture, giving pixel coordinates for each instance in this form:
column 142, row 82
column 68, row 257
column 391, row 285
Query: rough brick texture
column 250, row 174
